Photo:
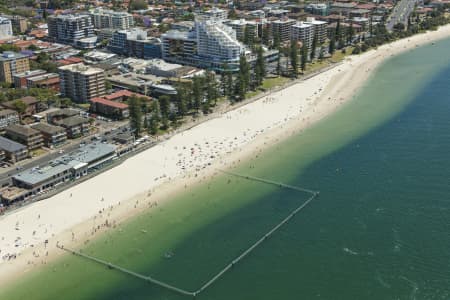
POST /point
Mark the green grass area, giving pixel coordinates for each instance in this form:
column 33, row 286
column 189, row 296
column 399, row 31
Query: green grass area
column 38, row 152
column 274, row 82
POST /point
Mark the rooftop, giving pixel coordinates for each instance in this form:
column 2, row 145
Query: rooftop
column 74, row 160
column 46, row 128
column 21, row 130
column 72, row 121
column 81, row 68
column 5, row 112
column 10, row 146
column 9, row 55
column 109, row 103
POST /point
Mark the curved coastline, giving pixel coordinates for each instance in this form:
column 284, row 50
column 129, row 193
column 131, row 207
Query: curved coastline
column 272, row 120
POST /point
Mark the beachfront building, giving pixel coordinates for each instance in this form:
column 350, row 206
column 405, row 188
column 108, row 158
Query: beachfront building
column 303, row 32
column 25, row 135
column 81, row 83
column 65, row 168
column 8, row 117
column 210, row 45
column 53, row 136
column 5, row 28
column 75, row 126
column 108, row 108
column 242, row 27
column 12, row 63
column 281, row 28
column 71, row 29
column 14, row 151
column 320, row 29
column 105, row 18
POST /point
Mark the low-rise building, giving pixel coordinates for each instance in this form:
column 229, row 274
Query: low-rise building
column 60, row 114
column 14, row 151
column 8, row 117
column 46, row 81
column 67, row 167
column 75, row 126
column 111, row 109
column 25, row 135
column 20, row 79
column 11, row 63
column 33, row 105
column 53, row 136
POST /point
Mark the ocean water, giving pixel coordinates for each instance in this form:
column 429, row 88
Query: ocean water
column 379, row 230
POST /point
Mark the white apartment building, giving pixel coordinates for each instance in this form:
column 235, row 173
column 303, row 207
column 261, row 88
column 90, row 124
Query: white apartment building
column 320, row 29
column 104, row 18
column 303, row 32
column 209, row 45
column 5, row 28
column 69, row 29
column 217, row 41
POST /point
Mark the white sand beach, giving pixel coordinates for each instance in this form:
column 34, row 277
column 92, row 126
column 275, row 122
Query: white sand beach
column 79, row 213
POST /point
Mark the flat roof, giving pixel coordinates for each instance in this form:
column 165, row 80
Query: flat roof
column 51, row 129
column 22, row 130
column 109, row 103
column 72, row 121
column 7, row 111
column 81, row 68
column 74, row 160
column 10, row 145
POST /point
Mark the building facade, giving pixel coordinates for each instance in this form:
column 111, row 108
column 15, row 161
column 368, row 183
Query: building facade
column 12, row 63
column 111, row 109
column 14, row 151
column 53, row 136
column 69, row 29
column 8, row 117
column 304, row 33
column 5, row 28
column 210, row 45
column 25, row 135
column 135, row 43
column 104, row 18
column 81, row 83
column 282, row 29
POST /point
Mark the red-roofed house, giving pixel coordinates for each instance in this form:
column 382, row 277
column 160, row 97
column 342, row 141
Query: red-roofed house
column 123, row 95
column 112, row 109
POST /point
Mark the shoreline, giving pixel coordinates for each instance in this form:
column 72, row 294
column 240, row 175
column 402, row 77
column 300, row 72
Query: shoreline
column 221, row 142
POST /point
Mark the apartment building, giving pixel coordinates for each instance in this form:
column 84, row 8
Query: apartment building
column 303, row 32
column 20, row 79
column 70, row 29
column 320, row 29
column 241, row 26
column 12, row 63
column 104, row 18
column 25, row 135
column 48, row 81
column 281, row 28
column 8, row 117
column 209, row 45
column 14, row 151
column 53, row 136
column 19, row 24
column 134, row 42
column 75, row 126
column 108, row 108
column 81, row 83
column 5, row 28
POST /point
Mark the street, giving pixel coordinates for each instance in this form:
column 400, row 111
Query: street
column 401, row 13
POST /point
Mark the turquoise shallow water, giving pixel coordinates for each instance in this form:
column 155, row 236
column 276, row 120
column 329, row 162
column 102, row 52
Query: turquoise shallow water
column 379, row 230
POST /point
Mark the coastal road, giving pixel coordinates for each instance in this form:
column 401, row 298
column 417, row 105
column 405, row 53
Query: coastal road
column 400, row 13
column 108, row 136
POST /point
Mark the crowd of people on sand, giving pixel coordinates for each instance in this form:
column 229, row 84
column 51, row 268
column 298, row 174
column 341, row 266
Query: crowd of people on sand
column 193, row 158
